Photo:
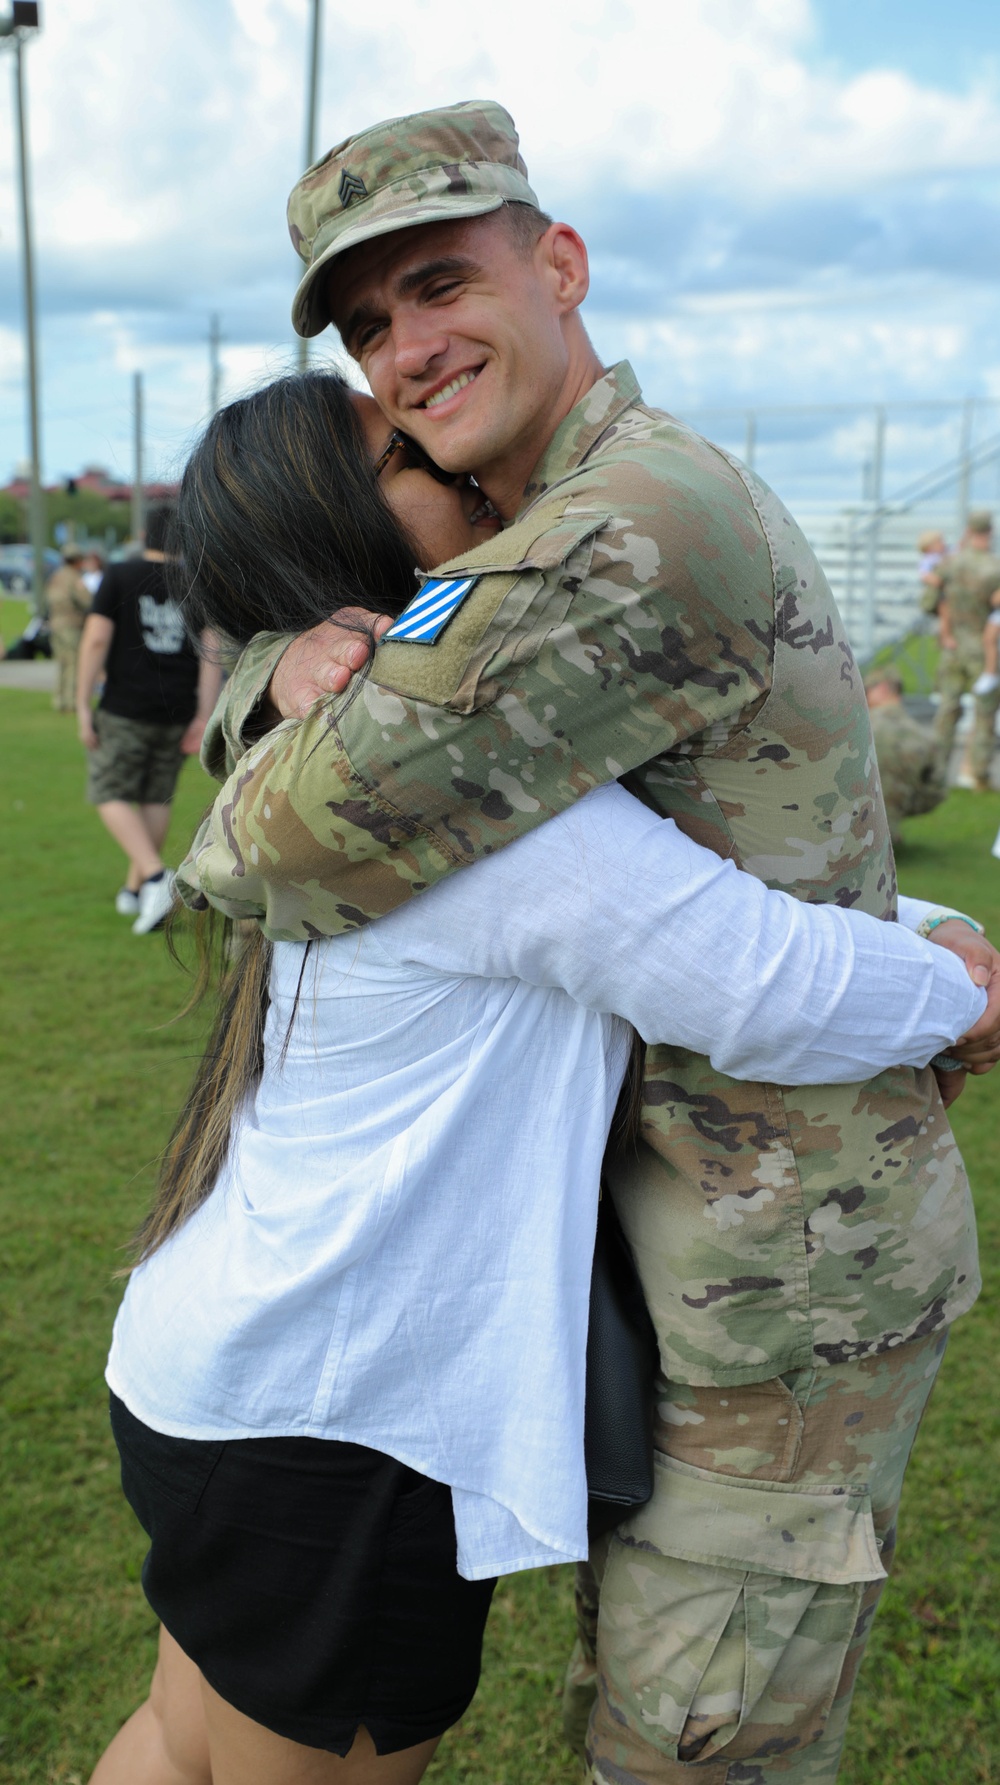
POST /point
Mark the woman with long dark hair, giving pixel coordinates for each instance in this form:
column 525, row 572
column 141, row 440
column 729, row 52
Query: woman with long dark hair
column 348, row 1372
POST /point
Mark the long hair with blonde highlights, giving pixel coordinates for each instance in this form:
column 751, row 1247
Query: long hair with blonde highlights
column 227, row 1074
column 279, row 523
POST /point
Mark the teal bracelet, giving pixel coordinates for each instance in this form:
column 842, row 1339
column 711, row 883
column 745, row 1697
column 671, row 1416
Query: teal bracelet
column 928, row 924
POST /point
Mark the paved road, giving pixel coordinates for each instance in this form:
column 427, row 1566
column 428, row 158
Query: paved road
column 39, row 675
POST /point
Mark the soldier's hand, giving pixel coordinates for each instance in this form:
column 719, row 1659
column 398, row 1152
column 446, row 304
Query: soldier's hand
column 322, row 661
column 85, row 726
column 979, row 1050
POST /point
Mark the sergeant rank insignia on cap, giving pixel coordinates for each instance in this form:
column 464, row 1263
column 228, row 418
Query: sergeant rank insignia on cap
column 351, row 186
column 429, row 612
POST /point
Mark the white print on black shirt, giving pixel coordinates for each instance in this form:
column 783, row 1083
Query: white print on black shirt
column 162, row 626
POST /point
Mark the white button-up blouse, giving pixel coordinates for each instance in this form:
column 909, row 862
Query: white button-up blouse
column 397, row 1252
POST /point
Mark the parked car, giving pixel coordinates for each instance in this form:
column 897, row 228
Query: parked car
column 16, row 562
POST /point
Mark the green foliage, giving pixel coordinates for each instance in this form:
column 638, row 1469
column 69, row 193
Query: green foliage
column 90, row 516
column 12, row 520
column 92, row 1071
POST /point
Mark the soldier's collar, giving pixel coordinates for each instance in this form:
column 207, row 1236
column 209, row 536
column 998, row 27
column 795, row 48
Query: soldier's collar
column 583, row 426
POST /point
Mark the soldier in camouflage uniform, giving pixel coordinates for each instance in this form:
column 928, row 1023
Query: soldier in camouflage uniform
column 968, row 581
column 68, row 601
column 652, row 613
column 909, row 765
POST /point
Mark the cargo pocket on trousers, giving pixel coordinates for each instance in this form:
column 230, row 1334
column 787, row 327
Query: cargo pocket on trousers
column 727, row 1609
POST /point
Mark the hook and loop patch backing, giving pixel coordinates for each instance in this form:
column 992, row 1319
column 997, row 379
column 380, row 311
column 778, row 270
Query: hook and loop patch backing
column 429, row 612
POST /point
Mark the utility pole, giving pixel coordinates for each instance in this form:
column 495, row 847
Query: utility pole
column 24, row 18
column 964, row 468
column 138, row 493
column 875, row 478
column 214, row 365
column 312, row 102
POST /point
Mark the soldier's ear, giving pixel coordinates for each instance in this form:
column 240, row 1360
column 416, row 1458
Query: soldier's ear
column 564, row 254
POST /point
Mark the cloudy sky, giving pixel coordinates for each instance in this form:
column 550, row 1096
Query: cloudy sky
column 787, row 202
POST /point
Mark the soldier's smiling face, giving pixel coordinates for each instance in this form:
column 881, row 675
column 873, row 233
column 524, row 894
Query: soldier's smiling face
column 467, row 339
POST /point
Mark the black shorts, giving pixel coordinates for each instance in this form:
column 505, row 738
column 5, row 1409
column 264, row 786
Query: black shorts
column 312, row 1582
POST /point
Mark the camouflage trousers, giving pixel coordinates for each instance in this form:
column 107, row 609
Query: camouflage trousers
column 65, row 648
column 957, row 671
column 721, row 1630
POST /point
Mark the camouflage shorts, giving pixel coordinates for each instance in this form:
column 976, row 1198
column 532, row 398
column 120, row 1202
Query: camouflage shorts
column 721, row 1630
column 134, row 761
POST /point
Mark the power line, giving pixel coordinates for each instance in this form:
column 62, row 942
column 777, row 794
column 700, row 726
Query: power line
column 138, row 493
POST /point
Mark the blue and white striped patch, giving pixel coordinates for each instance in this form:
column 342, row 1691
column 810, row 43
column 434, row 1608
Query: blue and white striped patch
column 429, row 612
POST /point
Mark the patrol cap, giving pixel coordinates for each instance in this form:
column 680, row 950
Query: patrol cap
column 431, row 167
column 72, row 554
column 980, row 521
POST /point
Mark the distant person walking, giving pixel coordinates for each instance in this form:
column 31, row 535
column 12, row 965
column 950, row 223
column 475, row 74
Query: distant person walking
column 968, row 581
column 156, row 701
column 92, row 570
column 909, row 765
column 69, row 604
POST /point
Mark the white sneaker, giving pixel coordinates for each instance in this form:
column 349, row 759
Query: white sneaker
column 155, row 900
column 127, row 902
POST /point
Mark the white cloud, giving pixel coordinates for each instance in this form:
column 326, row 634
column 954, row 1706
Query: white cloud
column 165, row 140
column 11, row 355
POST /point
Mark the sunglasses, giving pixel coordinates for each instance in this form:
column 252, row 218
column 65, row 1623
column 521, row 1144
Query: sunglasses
column 419, row 459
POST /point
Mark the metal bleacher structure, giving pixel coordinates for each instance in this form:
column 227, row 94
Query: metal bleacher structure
column 868, row 551
column 868, row 548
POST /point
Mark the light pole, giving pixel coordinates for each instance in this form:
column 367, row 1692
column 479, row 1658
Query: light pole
column 24, row 18
column 138, row 523
column 312, row 100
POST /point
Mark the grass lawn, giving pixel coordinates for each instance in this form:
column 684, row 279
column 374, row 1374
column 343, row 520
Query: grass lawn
column 14, row 616
column 915, row 658
column 91, row 1074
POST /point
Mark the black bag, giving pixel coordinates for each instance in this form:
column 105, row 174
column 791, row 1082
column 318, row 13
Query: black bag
column 622, row 1360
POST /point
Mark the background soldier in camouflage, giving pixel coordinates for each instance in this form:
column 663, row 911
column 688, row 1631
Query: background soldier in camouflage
column 909, row 764
column 968, row 581
column 650, row 612
column 68, row 600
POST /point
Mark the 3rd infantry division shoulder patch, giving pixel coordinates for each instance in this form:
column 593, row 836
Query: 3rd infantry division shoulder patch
column 429, row 612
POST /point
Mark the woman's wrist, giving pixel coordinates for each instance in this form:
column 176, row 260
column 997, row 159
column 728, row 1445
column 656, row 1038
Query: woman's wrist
column 944, row 914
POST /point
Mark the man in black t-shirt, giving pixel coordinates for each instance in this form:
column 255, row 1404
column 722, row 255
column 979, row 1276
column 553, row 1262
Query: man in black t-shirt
column 158, row 695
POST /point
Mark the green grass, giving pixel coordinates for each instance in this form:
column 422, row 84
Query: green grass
column 14, row 616
column 915, row 659
column 91, row 1075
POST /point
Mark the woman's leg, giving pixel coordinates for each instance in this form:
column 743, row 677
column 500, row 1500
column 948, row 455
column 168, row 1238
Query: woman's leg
column 165, row 1741
column 245, row 1753
column 185, row 1734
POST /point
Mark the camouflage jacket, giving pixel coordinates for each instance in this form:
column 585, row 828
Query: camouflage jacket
column 68, row 600
column 652, row 614
column 968, row 581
